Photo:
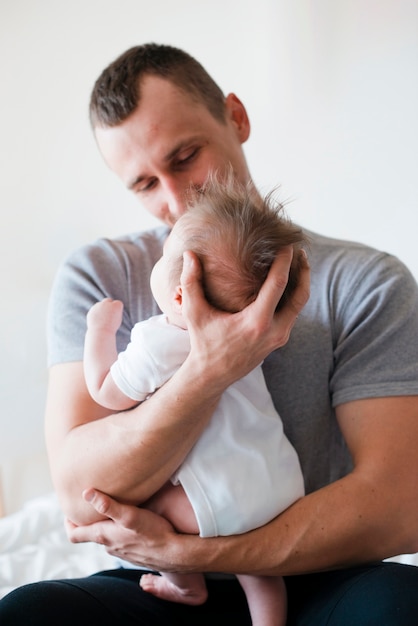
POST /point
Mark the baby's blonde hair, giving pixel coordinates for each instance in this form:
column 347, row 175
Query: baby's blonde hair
column 236, row 234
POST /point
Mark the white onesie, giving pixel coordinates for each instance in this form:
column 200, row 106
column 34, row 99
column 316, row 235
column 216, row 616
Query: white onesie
column 243, row 471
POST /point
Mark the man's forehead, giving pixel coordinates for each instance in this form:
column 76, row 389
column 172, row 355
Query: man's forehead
column 162, row 93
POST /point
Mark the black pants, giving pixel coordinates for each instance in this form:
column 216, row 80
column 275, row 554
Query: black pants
column 381, row 594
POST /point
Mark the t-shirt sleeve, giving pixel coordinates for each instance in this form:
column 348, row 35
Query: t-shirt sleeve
column 118, row 269
column 376, row 333
column 87, row 276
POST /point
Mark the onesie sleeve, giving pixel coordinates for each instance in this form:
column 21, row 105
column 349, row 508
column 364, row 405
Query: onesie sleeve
column 155, row 352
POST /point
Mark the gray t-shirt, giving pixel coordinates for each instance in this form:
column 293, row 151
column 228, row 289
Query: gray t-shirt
column 356, row 338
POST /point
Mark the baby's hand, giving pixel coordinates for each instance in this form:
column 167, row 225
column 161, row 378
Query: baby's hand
column 105, row 315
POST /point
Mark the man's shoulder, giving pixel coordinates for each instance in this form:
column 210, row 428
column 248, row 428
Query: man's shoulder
column 324, row 246
column 332, row 257
column 130, row 246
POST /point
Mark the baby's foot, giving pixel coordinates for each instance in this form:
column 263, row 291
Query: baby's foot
column 193, row 590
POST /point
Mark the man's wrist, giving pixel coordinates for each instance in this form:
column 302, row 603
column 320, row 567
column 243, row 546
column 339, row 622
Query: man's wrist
column 205, row 377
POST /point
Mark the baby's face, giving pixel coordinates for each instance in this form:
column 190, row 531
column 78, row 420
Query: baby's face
column 162, row 286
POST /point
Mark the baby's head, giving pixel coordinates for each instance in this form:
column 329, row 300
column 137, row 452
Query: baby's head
column 236, row 235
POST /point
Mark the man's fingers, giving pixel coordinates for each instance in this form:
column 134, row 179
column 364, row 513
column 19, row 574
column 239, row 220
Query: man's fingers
column 192, row 270
column 115, row 516
column 191, row 284
column 98, row 501
column 109, row 508
column 273, row 287
column 289, row 313
column 272, row 290
column 301, row 294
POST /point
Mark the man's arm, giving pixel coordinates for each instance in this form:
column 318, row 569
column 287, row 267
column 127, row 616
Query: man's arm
column 368, row 515
column 117, row 453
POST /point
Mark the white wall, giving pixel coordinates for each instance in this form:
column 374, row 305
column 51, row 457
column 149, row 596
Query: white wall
column 332, row 91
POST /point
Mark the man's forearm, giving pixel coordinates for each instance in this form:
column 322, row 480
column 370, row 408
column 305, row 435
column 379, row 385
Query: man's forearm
column 369, row 514
column 343, row 524
column 128, row 455
column 320, row 532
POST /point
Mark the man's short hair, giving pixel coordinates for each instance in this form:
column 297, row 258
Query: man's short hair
column 117, row 92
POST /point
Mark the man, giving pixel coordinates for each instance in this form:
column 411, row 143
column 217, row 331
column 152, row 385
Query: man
column 344, row 381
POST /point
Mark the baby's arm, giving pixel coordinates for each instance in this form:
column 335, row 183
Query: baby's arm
column 100, row 352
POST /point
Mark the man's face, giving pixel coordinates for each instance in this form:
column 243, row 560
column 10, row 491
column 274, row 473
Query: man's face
column 170, row 144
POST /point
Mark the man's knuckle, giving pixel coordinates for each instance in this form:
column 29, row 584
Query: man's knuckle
column 281, row 283
column 100, row 538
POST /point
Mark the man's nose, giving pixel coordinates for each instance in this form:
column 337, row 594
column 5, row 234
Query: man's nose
column 176, row 196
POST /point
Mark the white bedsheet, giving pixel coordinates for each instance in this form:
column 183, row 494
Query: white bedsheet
column 34, row 546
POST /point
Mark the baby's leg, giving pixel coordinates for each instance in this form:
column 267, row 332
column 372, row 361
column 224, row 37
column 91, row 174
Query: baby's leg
column 172, row 503
column 267, row 599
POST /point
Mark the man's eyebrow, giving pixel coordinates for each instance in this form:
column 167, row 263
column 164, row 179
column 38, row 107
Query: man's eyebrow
column 166, row 159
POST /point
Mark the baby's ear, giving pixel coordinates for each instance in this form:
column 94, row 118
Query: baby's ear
column 178, row 299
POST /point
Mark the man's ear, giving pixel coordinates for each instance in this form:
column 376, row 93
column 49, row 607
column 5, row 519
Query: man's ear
column 178, row 299
column 235, row 111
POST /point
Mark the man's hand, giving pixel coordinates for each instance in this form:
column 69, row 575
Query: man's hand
column 130, row 533
column 230, row 345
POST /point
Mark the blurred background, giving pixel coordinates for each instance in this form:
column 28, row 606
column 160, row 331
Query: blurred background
column 331, row 89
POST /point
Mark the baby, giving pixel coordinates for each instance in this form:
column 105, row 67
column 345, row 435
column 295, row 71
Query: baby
column 243, row 471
